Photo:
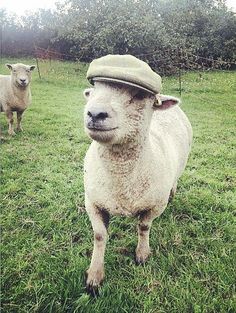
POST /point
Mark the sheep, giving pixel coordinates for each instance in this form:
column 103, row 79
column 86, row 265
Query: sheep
column 15, row 94
column 140, row 146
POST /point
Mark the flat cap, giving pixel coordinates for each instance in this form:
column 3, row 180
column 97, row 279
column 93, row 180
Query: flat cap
column 125, row 69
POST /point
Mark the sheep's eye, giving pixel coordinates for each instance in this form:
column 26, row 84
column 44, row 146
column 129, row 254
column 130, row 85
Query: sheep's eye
column 140, row 95
column 27, row 71
column 14, row 71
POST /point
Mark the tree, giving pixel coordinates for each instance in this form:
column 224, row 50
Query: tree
column 164, row 33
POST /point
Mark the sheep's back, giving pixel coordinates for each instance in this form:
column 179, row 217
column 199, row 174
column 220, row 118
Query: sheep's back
column 171, row 137
column 4, row 85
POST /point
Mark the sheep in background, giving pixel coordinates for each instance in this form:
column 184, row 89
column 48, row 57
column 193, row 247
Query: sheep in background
column 141, row 142
column 15, row 94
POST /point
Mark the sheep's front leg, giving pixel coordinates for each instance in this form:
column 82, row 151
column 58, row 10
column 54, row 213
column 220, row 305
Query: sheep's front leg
column 95, row 273
column 10, row 120
column 19, row 118
column 143, row 250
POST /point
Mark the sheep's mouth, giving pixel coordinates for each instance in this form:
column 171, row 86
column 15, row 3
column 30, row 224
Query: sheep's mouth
column 22, row 85
column 101, row 129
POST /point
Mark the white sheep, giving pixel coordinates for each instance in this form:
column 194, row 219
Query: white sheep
column 15, row 94
column 140, row 147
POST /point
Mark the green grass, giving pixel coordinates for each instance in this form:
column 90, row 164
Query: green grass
column 46, row 235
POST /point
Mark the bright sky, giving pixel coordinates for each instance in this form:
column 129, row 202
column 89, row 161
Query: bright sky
column 232, row 4
column 20, row 6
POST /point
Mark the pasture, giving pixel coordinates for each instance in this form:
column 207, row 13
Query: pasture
column 47, row 238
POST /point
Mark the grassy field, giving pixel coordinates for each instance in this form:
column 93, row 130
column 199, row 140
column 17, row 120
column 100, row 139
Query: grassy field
column 46, row 235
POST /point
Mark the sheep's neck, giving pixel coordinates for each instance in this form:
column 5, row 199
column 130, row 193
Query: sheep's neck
column 21, row 93
column 124, row 158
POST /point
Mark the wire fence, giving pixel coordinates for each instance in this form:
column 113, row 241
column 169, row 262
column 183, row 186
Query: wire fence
column 181, row 61
column 180, row 55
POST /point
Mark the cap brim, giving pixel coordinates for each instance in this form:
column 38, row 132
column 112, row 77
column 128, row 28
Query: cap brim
column 108, row 79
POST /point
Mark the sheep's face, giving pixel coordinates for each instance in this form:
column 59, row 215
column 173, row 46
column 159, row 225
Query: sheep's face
column 21, row 74
column 116, row 113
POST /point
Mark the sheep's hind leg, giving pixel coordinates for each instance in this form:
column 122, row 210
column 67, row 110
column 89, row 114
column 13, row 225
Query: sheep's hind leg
column 95, row 273
column 172, row 192
column 19, row 118
column 145, row 222
column 10, row 119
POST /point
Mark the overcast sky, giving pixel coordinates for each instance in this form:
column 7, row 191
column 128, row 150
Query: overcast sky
column 232, row 4
column 20, row 6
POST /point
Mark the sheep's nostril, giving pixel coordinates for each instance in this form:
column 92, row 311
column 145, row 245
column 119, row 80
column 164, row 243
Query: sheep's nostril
column 23, row 80
column 95, row 116
column 89, row 114
column 102, row 116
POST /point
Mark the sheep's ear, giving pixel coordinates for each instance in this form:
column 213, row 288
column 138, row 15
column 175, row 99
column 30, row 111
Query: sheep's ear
column 9, row 66
column 87, row 92
column 163, row 102
column 32, row 67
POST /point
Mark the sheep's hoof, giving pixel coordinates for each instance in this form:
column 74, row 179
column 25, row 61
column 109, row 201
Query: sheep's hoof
column 19, row 129
column 94, row 279
column 11, row 133
column 142, row 256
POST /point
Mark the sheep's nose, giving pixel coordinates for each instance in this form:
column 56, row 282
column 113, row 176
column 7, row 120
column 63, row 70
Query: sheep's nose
column 23, row 80
column 97, row 115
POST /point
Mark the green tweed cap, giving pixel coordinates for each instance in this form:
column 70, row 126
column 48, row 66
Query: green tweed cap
column 125, row 69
